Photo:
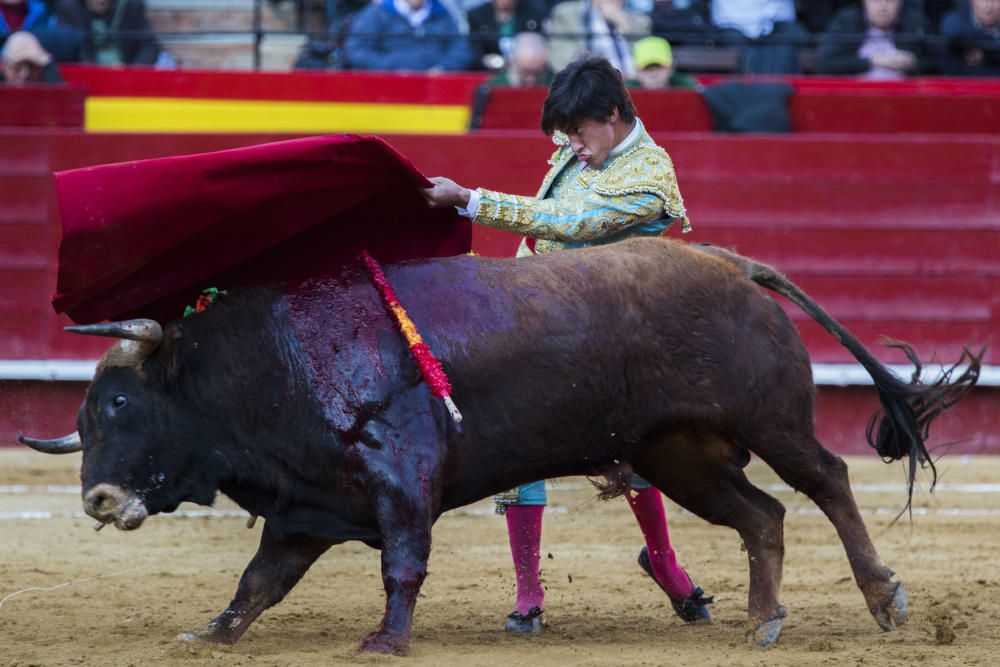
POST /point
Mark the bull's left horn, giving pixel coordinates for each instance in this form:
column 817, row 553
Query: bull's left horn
column 64, row 445
column 146, row 335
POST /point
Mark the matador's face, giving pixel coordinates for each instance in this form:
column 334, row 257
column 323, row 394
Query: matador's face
column 593, row 140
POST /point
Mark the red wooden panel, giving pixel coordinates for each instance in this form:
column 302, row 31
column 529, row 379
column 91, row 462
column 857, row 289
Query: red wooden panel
column 24, row 153
column 911, row 87
column 898, row 300
column 315, row 86
column 970, row 427
column 42, row 105
column 27, row 245
column 819, row 111
column 814, row 202
column 863, row 251
column 940, row 161
column 71, row 151
column 661, row 110
column 942, row 338
column 837, row 106
column 39, row 409
column 25, row 199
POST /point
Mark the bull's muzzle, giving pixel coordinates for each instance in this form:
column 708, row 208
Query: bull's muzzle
column 111, row 504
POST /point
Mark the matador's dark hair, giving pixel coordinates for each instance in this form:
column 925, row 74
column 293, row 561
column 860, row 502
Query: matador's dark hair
column 588, row 88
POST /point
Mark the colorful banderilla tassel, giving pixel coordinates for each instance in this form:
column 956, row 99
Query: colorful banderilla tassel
column 429, row 365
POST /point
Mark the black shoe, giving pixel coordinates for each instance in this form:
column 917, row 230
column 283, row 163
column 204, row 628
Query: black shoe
column 531, row 623
column 691, row 609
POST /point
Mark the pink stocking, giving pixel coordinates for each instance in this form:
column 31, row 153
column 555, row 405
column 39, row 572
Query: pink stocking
column 524, row 527
column 647, row 506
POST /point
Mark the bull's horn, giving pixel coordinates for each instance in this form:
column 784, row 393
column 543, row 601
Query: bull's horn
column 64, row 445
column 142, row 336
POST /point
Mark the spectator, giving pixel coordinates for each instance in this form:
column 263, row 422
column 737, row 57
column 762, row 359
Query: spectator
column 22, row 15
column 34, row 16
column 654, row 66
column 878, row 41
column 115, row 32
column 25, row 61
column 338, row 11
column 972, row 34
column 492, row 27
column 604, row 27
column 528, row 64
column 681, row 21
column 766, row 31
column 418, row 35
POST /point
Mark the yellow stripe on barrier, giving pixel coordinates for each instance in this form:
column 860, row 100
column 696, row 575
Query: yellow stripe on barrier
column 166, row 114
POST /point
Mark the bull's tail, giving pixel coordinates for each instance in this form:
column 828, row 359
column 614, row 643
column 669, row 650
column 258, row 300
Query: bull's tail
column 900, row 428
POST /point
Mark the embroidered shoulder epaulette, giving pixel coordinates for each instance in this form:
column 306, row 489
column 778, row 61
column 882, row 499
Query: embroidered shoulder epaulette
column 647, row 169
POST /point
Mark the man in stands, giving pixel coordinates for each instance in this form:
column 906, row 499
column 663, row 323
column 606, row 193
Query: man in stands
column 654, row 66
column 609, row 181
column 605, row 27
column 416, row 35
column 114, row 32
column 973, row 39
column 766, row 32
column 882, row 39
column 25, row 61
column 528, row 64
column 22, row 15
column 493, row 26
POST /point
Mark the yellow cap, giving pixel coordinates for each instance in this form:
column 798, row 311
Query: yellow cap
column 652, row 51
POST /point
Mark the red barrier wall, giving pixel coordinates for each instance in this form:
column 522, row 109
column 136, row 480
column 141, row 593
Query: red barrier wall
column 896, row 235
column 889, row 242
column 857, row 111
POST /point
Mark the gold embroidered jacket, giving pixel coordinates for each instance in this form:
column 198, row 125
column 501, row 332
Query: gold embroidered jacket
column 634, row 192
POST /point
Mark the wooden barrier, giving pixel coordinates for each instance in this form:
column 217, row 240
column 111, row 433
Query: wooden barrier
column 872, row 226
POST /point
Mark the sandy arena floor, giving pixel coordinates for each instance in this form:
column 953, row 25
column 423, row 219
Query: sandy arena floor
column 179, row 571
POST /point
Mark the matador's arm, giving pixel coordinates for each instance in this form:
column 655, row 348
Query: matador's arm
column 585, row 216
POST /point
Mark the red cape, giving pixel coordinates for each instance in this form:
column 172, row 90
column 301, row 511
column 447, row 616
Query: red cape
column 142, row 239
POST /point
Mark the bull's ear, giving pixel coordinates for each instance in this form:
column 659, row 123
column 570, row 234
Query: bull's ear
column 170, row 351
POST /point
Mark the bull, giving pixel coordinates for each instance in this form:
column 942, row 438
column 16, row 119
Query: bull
column 302, row 404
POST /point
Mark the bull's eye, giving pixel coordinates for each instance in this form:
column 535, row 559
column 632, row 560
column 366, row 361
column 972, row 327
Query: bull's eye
column 119, row 401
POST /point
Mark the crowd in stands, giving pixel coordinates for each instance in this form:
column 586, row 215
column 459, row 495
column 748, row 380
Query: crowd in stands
column 43, row 32
column 866, row 38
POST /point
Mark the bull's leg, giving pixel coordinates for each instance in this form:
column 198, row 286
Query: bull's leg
column 274, row 570
column 403, row 487
column 404, row 566
column 809, row 468
column 705, row 476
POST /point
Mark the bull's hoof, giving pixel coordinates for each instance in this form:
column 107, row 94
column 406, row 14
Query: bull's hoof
column 209, row 633
column 693, row 608
column 526, row 624
column 381, row 642
column 226, row 629
column 893, row 613
column 767, row 632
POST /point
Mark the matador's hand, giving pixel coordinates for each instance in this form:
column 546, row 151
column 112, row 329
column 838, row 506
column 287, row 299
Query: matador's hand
column 446, row 192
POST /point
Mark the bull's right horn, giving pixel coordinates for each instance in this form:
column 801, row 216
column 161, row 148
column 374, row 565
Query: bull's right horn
column 140, row 337
column 64, row 445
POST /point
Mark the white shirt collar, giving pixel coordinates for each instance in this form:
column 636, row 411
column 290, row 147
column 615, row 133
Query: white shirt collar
column 413, row 16
column 632, row 136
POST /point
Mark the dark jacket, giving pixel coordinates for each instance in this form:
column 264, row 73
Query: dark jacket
column 381, row 39
column 839, row 44
column 483, row 28
column 139, row 47
column 962, row 36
